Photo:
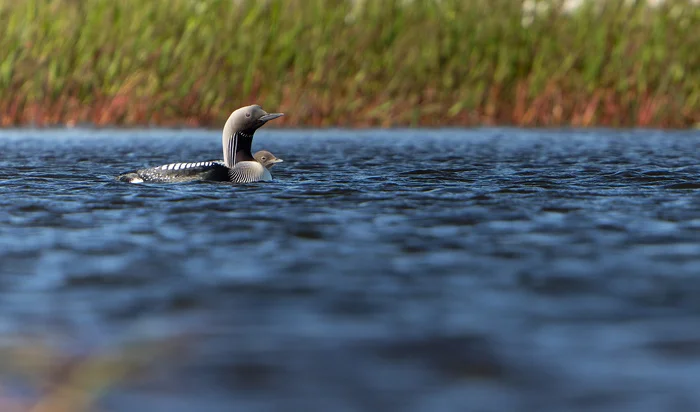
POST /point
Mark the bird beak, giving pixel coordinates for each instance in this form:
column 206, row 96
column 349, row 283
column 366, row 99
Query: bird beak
column 270, row 116
column 278, row 160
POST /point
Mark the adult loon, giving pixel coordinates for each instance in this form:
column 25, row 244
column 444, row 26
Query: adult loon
column 238, row 166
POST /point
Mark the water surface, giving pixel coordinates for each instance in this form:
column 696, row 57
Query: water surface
column 413, row 270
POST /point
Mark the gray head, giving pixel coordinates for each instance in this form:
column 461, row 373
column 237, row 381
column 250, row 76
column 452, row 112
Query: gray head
column 248, row 119
column 237, row 136
column 266, row 158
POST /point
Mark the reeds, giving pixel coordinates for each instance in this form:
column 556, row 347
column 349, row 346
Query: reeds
column 351, row 63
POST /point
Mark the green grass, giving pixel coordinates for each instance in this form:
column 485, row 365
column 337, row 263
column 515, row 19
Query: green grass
column 350, row 63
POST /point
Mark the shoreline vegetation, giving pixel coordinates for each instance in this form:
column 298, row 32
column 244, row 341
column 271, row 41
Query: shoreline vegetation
column 351, row 63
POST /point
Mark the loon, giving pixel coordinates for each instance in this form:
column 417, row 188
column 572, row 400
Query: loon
column 238, row 166
column 267, row 159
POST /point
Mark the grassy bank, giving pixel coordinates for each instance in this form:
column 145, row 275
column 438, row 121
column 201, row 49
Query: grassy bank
column 350, row 63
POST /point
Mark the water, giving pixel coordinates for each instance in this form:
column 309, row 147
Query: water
column 481, row 270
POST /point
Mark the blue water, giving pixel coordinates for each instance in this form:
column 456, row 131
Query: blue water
column 412, row 270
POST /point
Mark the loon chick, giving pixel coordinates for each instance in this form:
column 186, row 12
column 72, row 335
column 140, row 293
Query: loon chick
column 267, row 159
column 238, row 166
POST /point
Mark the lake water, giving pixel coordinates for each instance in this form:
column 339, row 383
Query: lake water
column 411, row 270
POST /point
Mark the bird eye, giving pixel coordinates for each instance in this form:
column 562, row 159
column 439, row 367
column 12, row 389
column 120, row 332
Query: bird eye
column 264, row 158
column 247, row 114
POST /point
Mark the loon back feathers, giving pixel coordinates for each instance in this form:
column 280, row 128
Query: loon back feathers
column 213, row 170
column 242, row 172
column 179, row 172
column 188, row 166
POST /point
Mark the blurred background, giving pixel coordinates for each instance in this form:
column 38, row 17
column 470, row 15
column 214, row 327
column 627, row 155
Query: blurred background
column 489, row 266
column 352, row 63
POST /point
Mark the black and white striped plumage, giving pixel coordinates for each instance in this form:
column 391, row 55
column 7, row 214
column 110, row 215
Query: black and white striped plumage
column 248, row 172
column 179, row 172
column 238, row 166
column 215, row 170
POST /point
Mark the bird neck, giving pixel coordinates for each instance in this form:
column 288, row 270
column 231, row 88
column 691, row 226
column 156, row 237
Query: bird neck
column 236, row 147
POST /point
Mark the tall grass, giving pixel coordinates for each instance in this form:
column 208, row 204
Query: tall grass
column 351, row 63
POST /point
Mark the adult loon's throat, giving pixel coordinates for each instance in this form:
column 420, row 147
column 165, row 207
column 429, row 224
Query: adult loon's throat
column 237, row 148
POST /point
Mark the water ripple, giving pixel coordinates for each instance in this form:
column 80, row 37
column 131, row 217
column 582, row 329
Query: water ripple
column 415, row 270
